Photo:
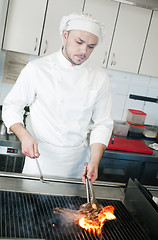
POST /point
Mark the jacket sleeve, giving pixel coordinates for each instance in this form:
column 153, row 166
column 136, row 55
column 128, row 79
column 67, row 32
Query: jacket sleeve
column 21, row 95
column 102, row 123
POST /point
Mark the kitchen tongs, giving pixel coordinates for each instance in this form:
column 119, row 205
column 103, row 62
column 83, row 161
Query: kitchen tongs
column 40, row 172
column 90, row 193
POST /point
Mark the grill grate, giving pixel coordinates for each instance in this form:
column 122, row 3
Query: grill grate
column 24, row 215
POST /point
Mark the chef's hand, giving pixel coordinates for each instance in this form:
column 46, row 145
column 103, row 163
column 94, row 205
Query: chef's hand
column 29, row 145
column 91, row 170
column 97, row 150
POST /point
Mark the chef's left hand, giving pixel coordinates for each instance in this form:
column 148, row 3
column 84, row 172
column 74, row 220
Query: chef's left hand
column 91, row 170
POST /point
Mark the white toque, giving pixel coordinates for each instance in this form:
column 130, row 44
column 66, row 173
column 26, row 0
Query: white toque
column 83, row 22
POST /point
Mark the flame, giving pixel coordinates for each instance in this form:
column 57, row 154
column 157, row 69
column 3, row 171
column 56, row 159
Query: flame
column 107, row 213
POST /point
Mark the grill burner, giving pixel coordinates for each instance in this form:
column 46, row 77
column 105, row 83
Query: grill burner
column 25, row 215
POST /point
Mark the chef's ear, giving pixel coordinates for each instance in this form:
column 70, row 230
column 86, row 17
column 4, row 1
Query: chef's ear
column 65, row 34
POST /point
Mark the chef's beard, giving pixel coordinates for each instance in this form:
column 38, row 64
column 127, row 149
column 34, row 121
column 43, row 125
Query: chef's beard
column 72, row 61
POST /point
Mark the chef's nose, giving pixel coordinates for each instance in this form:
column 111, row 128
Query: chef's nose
column 83, row 48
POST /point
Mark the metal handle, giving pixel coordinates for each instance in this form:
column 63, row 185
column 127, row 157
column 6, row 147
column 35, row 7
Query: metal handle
column 105, row 56
column 113, row 62
column 87, row 184
column 90, row 191
column 40, row 172
column 93, row 199
column 46, row 47
column 36, row 43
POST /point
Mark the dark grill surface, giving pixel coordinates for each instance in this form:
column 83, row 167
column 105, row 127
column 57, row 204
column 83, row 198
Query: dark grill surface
column 24, row 215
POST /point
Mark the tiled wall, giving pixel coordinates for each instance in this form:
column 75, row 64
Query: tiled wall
column 122, row 84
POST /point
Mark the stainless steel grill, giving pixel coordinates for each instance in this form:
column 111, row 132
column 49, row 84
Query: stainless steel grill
column 27, row 215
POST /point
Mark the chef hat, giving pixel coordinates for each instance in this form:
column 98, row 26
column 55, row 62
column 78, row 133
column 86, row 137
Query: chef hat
column 83, row 22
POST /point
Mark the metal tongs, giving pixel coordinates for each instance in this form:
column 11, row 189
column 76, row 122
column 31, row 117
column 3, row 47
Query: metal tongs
column 90, row 192
column 40, row 172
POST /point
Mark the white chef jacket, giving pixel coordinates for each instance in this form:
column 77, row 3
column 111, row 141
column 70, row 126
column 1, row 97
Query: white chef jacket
column 67, row 104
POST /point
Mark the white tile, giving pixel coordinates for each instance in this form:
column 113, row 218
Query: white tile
column 151, row 109
column 113, row 88
column 140, row 80
column 33, row 57
column 152, row 92
column 138, row 90
column 120, row 77
column 154, row 82
column 119, row 88
column 5, row 89
column 133, row 104
column 118, row 103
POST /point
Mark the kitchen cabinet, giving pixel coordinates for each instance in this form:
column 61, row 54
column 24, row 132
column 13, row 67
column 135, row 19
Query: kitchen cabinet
column 118, row 170
column 150, row 174
column 36, row 33
column 3, row 11
column 106, row 12
column 119, row 166
column 56, row 10
column 149, row 64
column 24, row 26
column 129, row 38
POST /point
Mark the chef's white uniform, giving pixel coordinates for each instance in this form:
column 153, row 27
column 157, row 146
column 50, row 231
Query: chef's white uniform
column 67, row 104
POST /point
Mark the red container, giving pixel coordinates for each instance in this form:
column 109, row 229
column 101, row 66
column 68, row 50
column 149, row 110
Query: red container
column 136, row 117
column 135, row 130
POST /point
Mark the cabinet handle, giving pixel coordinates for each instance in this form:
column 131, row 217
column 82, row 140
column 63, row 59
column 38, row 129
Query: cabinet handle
column 113, row 62
column 105, row 56
column 36, row 42
column 46, row 47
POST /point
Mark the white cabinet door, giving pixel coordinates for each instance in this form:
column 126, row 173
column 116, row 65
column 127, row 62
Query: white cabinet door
column 3, row 11
column 149, row 65
column 56, row 10
column 129, row 38
column 106, row 12
column 24, row 25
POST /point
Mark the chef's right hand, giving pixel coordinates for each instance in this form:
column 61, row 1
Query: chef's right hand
column 30, row 147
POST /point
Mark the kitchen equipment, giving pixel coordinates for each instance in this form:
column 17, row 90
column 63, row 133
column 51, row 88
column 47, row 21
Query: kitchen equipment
column 129, row 145
column 120, row 128
column 27, row 214
column 136, row 117
column 40, row 172
column 140, row 202
column 91, row 194
column 135, row 130
column 11, row 157
column 90, row 191
column 0, row 112
column 3, row 129
column 150, row 132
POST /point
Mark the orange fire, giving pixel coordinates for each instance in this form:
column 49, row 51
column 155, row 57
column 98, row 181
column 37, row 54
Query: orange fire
column 107, row 213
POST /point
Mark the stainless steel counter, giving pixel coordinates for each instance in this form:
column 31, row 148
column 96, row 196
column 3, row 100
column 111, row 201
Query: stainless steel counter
column 58, row 186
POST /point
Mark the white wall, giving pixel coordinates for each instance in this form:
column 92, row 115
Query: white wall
column 122, row 84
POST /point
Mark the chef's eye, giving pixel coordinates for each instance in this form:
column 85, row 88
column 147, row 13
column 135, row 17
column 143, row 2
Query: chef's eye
column 79, row 42
column 90, row 46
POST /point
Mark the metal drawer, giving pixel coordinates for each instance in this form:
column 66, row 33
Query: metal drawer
column 150, row 174
column 118, row 170
column 11, row 163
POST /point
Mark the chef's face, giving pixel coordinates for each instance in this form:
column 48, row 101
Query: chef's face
column 78, row 45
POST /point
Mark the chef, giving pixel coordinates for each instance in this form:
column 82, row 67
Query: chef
column 70, row 105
